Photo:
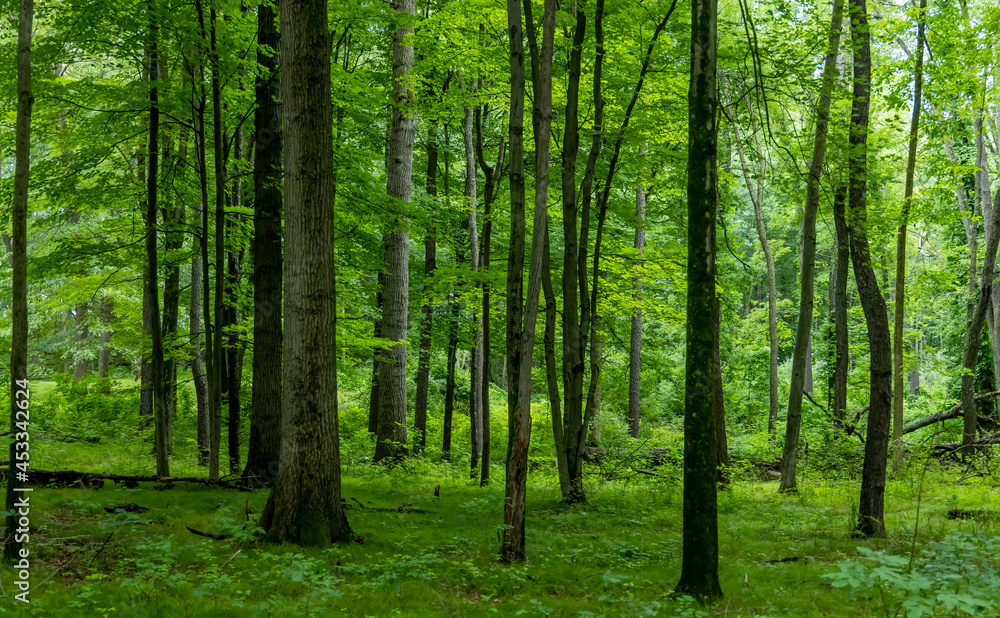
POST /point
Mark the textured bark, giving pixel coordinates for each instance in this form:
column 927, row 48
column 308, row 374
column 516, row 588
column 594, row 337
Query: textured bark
column 870, row 507
column 19, row 265
column 145, row 369
column 700, row 543
column 551, row 372
column 427, row 319
column 304, row 506
column 391, row 430
column 152, row 279
column 522, row 318
column 900, row 292
column 264, row 442
column 800, row 354
column 635, row 339
column 234, row 348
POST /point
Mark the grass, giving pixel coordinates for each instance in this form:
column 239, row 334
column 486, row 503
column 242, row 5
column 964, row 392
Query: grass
column 618, row 554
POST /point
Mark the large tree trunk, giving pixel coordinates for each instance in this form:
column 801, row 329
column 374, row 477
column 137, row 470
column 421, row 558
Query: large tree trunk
column 152, row 279
column 900, row 292
column 870, row 508
column 265, row 414
column 427, row 319
column 391, row 431
column 19, row 390
column 522, row 315
column 800, row 353
column 304, row 507
column 700, row 545
column 635, row 339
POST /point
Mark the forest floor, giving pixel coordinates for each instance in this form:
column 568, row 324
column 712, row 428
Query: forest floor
column 618, row 554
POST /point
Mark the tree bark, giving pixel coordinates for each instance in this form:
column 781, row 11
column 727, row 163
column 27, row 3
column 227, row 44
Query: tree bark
column 427, row 319
column 304, row 506
column 838, row 379
column 635, row 339
column 476, row 369
column 800, row 353
column 197, row 368
column 700, row 539
column 264, row 444
column 19, row 264
column 82, row 334
column 449, row 389
column 152, row 279
column 390, row 440
column 900, row 292
column 522, row 316
column 373, row 397
column 870, row 508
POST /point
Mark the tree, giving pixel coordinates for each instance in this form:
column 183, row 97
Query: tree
column 19, row 390
column 700, row 543
column 635, row 332
column 801, row 354
column 522, row 314
column 265, row 417
column 304, row 506
column 391, row 433
column 900, row 295
column 870, row 518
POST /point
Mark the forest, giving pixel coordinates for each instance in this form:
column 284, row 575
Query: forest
column 525, row 308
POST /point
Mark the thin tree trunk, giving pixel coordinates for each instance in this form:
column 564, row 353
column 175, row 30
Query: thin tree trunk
column 551, row 372
column 197, row 368
column 635, row 339
column 476, row 369
column 266, row 391
column 19, row 390
column 838, row 379
column 427, row 319
column 391, row 431
column 82, row 334
column 234, row 348
column 870, row 507
column 900, row 292
column 800, row 354
column 449, row 389
column 374, row 394
column 152, row 280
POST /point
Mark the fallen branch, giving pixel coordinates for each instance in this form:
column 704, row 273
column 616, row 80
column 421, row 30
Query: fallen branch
column 952, row 412
column 69, row 478
column 987, row 440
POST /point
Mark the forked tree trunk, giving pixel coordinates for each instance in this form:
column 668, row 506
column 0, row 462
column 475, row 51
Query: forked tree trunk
column 800, row 354
column 304, row 506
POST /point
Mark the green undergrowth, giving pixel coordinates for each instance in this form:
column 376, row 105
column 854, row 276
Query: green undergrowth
column 618, row 554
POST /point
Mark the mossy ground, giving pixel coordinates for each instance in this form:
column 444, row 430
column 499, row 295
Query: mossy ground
column 618, row 554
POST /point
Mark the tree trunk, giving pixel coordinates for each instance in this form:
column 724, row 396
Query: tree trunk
column 304, row 506
column 152, row 279
column 197, row 368
column 800, row 353
column 635, row 339
column 104, row 356
column 449, row 389
column 373, row 396
column 551, row 372
column 700, row 544
column 427, row 319
column 476, row 369
column 870, row 508
column 234, row 348
column 900, row 292
column 522, row 316
column 391, row 431
column 19, row 390
column 838, row 379
column 82, row 334
column 264, row 443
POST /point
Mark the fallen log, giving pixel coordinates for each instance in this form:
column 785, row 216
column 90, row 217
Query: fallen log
column 949, row 447
column 952, row 412
column 93, row 480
